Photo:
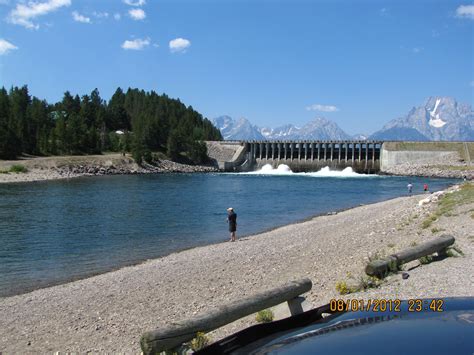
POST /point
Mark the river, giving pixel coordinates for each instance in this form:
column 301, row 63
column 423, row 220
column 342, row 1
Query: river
column 56, row 231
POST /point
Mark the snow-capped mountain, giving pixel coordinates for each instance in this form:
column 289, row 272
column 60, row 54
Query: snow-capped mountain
column 283, row 132
column 318, row 129
column 360, row 137
column 240, row 129
column 438, row 119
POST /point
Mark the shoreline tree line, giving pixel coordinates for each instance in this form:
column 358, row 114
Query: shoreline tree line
column 133, row 121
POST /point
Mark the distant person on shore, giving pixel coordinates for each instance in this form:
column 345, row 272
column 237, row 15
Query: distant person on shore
column 232, row 220
column 425, row 187
column 410, row 187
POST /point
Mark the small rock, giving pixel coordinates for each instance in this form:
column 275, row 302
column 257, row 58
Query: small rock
column 405, row 275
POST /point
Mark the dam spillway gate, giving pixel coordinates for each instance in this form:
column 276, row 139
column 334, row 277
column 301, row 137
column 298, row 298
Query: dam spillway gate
column 361, row 156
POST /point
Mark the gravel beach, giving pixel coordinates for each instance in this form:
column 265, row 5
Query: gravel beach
column 109, row 312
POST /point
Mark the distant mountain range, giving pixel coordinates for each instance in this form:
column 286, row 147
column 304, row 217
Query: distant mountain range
column 439, row 118
column 242, row 129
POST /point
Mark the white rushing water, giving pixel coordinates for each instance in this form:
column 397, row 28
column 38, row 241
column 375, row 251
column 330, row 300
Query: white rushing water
column 285, row 170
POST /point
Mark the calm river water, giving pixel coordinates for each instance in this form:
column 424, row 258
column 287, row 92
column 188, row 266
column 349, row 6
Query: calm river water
column 56, row 231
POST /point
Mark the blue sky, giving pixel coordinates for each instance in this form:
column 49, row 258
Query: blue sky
column 359, row 63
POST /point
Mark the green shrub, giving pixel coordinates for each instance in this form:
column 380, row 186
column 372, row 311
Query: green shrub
column 18, row 169
column 200, row 341
column 343, row 288
column 264, row 316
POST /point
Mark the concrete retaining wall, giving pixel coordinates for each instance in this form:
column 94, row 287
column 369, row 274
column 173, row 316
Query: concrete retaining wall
column 226, row 155
column 389, row 159
column 395, row 156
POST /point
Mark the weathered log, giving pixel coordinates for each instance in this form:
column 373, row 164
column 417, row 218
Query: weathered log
column 177, row 333
column 428, row 248
column 380, row 268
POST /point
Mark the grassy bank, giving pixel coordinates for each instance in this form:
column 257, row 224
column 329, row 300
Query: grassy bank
column 17, row 169
column 447, row 203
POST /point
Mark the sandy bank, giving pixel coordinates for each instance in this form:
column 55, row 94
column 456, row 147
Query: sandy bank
column 109, row 312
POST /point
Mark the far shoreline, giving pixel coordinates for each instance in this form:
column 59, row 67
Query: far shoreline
column 108, row 164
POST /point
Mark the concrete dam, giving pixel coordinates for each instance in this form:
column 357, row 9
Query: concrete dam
column 300, row 156
column 361, row 156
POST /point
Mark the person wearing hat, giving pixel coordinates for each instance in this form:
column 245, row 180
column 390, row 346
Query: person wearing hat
column 232, row 220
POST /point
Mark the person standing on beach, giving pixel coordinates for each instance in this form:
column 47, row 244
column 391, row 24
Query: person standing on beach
column 232, row 220
column 410, row 187
column 425, row 187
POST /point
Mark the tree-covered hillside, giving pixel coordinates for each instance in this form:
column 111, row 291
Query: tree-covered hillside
column 134, row 121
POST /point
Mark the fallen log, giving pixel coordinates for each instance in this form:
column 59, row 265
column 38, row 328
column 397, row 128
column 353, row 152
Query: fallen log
column 175, row 334
column 380, row 268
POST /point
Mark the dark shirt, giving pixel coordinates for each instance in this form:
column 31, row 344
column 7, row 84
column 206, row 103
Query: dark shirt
column 232, row 219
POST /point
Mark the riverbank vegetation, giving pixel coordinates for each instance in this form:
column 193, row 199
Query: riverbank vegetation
column 133, row 121
column 17, row 168
column 448, row 202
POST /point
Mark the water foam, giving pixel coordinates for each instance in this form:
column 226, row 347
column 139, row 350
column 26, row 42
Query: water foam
column 284, row 169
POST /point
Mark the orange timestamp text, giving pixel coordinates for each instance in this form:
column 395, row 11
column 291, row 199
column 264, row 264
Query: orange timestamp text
column 383, row 305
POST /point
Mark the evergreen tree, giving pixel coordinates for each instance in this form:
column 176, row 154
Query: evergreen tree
column 87, row 125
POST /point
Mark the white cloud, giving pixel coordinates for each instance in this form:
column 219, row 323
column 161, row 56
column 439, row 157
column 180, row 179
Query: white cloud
column 80, row 18
column 6, row 47
column 179, row 45
column 136, row 44
column 117, row 16
column 137, row 14
column 417, row 50
column 322, row 108
column 100, row 14
column 23, row 14
column 383, row 11
column 135, row 3
column 465, row 11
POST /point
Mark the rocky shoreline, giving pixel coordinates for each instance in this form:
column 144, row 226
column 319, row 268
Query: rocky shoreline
column 50, row 169
column 108, row 313
column 160, row 166
column 431, row 170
